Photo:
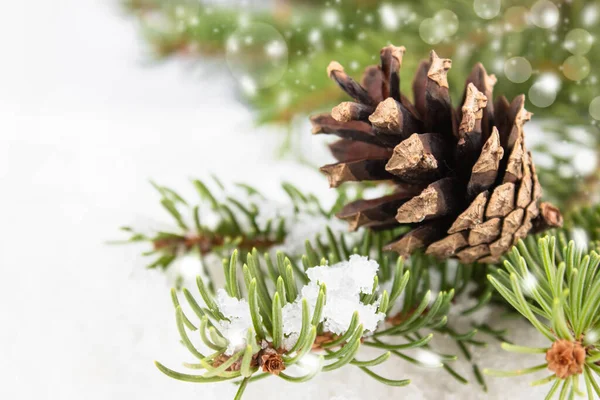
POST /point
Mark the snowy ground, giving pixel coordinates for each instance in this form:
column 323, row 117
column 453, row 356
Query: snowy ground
column 83, row 126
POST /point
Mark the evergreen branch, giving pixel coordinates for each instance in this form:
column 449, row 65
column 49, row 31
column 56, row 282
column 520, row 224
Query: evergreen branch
column 410, row 293
column 271, row 347
column 556, row 289
column 225, row 219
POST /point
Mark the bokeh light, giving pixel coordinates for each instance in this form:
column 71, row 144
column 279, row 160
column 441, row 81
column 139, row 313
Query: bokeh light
column 576, row 68
column 448, row 21
column 595, row 108
column 257, row 56
column 590, row 14
column 578, row 42
column 430, row 31
column 487, row 9
column 515, row 18
column 545, row 14
column 442, row 25
column 517, row 69
column 543, row 92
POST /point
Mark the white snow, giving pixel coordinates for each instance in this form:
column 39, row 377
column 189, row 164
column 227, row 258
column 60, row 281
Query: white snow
column 354, row 276
column 237, row 311
column 345, row 282
column 307, row 225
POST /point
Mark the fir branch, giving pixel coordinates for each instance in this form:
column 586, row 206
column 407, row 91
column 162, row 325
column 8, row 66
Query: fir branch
column 228, row 218
column 557, row 289
column 271, row 284
column 269, row 345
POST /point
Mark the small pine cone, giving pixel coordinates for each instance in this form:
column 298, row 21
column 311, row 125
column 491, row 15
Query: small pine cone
column 222, row 358
column 270, row 361
column 323, row 339
column 464, row 180
column 565, row 358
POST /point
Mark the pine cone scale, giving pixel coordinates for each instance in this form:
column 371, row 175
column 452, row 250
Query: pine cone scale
column 485, row 170
column 354, row 171
column 362, row 212
column 437, row 200
column 416, row 158
column 392, row 118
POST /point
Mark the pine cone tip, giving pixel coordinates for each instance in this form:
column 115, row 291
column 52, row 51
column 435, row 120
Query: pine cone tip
column 439, row 69
column 334, row 66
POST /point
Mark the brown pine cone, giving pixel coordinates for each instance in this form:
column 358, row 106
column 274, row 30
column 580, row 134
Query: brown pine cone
column 463, row 179
column 270, row 360
column 565, row 358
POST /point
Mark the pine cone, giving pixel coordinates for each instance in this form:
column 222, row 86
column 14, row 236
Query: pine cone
column 270, row 360
column 565, row 358
column 464, row 181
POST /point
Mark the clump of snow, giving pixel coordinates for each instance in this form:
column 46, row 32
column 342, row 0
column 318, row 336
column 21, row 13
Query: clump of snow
column 345, row 282
column 353, row 276
column 238, row 313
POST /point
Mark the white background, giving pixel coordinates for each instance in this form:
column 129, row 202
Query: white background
column 84, row 123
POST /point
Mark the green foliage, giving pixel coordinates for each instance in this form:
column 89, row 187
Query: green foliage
column 413, row 312
column 416, row 306
column 586, row 218
column 266, row 300
column 557, row 289
column 359, row 29
column 550, row 282
column 234, row 220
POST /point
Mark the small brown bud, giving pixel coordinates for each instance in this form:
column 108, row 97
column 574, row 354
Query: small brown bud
column 323, row 339
column 222, row 358
column 270, row 361
column 565, row 358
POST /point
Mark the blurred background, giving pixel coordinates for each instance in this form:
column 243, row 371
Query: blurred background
column 98, row 97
